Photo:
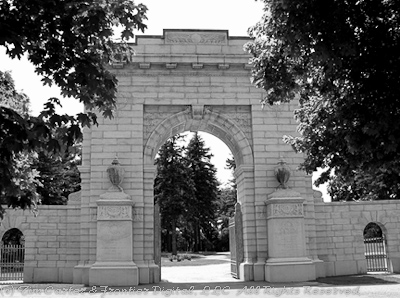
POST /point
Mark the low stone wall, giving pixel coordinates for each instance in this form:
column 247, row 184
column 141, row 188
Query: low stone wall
column 53, row 238
column 52, row 241
column 339, row 234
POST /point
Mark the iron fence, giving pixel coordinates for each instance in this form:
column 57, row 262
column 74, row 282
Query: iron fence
column 375, row 253
column 12, row 262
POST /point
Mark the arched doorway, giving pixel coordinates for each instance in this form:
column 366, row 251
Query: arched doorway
column 375, row 248
column 233, row 132
column 12, row 255
column 200, row 233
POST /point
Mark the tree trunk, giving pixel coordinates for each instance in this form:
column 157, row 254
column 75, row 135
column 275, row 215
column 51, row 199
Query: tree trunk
column 173, row 234
column 196, row 237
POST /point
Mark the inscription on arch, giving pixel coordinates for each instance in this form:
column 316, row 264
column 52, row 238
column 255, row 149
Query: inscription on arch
column 216, row 38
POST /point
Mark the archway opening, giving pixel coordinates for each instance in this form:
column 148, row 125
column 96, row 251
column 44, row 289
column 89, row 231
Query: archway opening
column 197, row 235
column 375, row 248
column 12, row 256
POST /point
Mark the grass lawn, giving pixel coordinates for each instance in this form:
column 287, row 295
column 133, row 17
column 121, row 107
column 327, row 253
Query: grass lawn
column 197, row 259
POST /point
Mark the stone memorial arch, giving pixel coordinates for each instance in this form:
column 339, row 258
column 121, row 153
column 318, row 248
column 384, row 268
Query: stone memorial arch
column 197, row 80
column 191, row 80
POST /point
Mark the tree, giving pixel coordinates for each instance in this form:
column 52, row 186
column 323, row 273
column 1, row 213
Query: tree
column 59, row 176
column 173, row 187
column 42, row 176
column 69, row 43
column 340, row 60
column 203, row 204
column 10, row 97
column 16, row 168
column 227, row 199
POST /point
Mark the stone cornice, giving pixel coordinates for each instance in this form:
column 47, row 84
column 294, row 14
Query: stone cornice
column 174, row 66
column 191, row 36
column 176, row 72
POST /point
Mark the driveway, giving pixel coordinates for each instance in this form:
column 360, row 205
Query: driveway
column 215, row 280
column 218, row 272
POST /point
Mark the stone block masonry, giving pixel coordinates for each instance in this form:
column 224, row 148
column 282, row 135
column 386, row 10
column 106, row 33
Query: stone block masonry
column 52, row 241
column 195, row 80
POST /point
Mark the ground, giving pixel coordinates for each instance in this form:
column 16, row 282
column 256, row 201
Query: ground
column 209, row 275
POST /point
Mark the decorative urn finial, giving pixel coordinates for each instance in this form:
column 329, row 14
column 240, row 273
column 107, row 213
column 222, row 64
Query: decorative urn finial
column 282, row 174
column 116, row 175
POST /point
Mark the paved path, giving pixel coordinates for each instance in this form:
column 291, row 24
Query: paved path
column 215, row 280
column 203, row 273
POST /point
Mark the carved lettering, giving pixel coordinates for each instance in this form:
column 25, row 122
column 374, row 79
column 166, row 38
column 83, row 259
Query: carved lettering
column 216, row 38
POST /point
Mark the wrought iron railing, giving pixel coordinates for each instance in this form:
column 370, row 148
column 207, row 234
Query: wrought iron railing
column 375, row 253
column 12, row 262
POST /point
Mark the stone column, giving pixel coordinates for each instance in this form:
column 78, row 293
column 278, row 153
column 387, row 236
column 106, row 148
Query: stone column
column 287, row 254
column 114, row 264
column 244, row 175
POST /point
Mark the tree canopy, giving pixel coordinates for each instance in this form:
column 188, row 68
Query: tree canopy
column 172, row 187
column 340, row 59
column 202, row 206
column 18, row 178
column 70, row 44
column 31, row 177
column 186, row 188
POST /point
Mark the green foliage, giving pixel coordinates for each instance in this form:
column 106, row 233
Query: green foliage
column 203, row 204
column 18, row 180
column 225, row 210
column 340, row 59
column 37, row 157
column 372, row 230
column 10, row 97
column 13, row 237
column 70, row 44
column 172, row 187
column 187, row 190
column 24, row 136
column 59, row 176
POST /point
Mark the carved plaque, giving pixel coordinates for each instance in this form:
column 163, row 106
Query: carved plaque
column 216, row 38
column 286, row 210
column 114, row 212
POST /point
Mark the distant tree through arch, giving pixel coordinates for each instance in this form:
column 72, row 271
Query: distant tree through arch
column 372, row 230
column 13, row 237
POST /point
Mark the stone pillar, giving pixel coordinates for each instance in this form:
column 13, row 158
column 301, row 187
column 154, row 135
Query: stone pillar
column 244, row 175
column 114, row 264
column 287, row 254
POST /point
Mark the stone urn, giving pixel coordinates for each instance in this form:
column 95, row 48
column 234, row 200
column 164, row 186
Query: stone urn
column 116, row 174
column 282, row 174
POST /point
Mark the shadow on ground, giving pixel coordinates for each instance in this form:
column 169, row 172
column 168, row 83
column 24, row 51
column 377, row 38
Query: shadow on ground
column 196, row 259
column 361, row 280
column 217, row 288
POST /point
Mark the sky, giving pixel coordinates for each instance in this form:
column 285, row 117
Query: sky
column 236, row 16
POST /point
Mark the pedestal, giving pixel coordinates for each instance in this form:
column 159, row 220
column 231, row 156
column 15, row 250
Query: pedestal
column 114, row 265
column 287, row 254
